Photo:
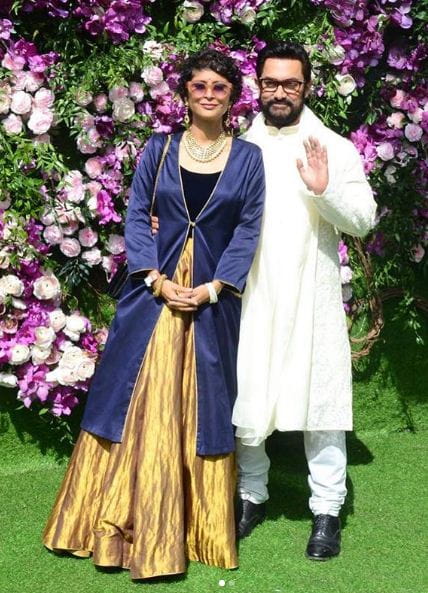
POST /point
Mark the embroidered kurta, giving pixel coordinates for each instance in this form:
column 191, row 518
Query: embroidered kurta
column 225, row 236
column 294, row 363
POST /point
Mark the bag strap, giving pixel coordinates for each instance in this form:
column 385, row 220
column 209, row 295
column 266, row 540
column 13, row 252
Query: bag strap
column 161, row 162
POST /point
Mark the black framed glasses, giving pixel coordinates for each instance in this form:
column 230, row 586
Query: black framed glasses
column 291, row 86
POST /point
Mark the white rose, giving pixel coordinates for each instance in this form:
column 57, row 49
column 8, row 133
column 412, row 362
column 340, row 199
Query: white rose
column 5, row 100
column 12, row 285
column 335, row 54
column 85, row 369
column 21, row 102
column 44, row 336
column 18, row 304
column 53, row 234
column 152, row 76
column 92, row 257
column 71, row 357
column 347, row 84
column 46, row 287
column 75, row 323
column 192, row 11
column 88, row 237
column 123, row 109
column 67, row 376
column 247, row 15
column 70, row 247
column 345, row 274
column 57, row 319
column 8, row 380
column 39, row 355
column 116, row 244
column 19, row 354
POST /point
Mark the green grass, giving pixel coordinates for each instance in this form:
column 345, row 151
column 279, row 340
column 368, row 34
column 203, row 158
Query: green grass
column 385, row 517
column 383, row 538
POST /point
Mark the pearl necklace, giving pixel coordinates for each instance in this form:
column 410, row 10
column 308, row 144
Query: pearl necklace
column 203, row 154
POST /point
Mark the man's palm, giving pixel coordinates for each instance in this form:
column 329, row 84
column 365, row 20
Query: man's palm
column 315, row 173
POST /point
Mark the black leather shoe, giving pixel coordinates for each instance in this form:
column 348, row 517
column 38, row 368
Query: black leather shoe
column 248, row 515
column 324, row 542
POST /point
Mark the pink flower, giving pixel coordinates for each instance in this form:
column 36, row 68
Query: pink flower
column 40, row 120
column 116, row 244
column 21, row 102
column 12, row 124
column 93, row 167
column 70, row 247
column 152, row 76
column 100, row 102
column 396, row 119
column 43, row 99
column 345, row 274
column 83, row 97
column 73, row 186
column 159, row 89
column 413, row 132
column 88, row 237
column 385, row 151
column 13, row 62
column 123, row 109
column 136, row 92
column 5, row 98
column 85, row 146
column 33, row 81
column 53, row 234
column 46, row 287
column 118, row 92
column 398, row 99
column 92, row 257
column 105, row 208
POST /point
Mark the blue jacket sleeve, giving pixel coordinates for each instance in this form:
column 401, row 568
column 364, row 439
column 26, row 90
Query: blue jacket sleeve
column 140, row 245
column 235, row 263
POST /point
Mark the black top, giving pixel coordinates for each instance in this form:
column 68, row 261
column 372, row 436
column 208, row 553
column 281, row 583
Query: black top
column 197, row 188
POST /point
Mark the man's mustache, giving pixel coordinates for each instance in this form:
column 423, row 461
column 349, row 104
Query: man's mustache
column 280, row 102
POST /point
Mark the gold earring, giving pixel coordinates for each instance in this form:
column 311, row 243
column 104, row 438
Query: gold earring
column 227, row 120
column 186, row 118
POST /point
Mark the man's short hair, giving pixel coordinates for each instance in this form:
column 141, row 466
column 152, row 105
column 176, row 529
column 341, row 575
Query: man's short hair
column 285, row 50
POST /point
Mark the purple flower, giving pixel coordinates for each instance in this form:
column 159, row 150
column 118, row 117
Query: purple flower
column 6, row 28
column 105, row 208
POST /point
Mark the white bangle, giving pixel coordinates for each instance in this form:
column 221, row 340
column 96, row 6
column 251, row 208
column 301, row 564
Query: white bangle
column 212, row 292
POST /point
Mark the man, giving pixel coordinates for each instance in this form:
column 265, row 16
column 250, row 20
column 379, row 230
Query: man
column 294, row 363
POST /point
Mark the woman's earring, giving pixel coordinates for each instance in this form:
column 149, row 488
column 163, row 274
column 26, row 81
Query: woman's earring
column 227, row 120
column 186, row 118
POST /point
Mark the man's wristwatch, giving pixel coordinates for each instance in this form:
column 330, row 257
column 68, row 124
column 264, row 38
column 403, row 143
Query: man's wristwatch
column 150, row 278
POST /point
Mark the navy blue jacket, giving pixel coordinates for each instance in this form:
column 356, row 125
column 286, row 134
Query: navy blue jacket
column 225, row 239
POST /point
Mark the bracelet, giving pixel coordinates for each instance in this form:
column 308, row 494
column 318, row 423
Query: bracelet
column 212, row 292
column 158, row 289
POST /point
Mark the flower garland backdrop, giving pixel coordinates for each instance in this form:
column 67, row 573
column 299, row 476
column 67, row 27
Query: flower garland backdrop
column 84, row 83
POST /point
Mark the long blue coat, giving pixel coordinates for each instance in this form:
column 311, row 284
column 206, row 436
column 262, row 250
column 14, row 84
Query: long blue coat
column 225, row 239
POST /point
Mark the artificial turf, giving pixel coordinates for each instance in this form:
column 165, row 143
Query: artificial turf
column 384, row 535
column 385, row 517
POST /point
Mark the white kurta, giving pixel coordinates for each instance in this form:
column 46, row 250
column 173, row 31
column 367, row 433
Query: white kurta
column 294, row 363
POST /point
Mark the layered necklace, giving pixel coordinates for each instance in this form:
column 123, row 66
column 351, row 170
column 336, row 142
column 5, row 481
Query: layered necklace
column 203, row 154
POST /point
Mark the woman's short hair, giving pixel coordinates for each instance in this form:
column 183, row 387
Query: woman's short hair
column 210, row 59
column 285, row 50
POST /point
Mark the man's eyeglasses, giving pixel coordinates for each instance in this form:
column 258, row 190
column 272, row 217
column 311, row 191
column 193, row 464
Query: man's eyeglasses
column 220, row 90
column 289, row 85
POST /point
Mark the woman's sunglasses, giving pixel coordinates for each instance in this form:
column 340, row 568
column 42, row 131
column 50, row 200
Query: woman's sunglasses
column 220, row 90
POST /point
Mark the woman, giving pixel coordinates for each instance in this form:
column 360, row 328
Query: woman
column 152, row 477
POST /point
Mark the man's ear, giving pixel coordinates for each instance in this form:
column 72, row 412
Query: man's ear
column 308, row 89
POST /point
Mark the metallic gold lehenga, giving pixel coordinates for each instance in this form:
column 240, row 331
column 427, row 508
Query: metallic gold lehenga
column 150, row 503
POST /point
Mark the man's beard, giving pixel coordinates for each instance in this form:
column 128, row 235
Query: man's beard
column 282, row 120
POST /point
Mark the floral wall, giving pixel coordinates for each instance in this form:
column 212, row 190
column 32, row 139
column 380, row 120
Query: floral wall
column 84, row 83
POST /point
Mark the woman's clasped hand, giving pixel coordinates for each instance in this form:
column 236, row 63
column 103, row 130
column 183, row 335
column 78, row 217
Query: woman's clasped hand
column 181, row 298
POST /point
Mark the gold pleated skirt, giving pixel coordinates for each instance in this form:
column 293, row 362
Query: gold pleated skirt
column 149, row 504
